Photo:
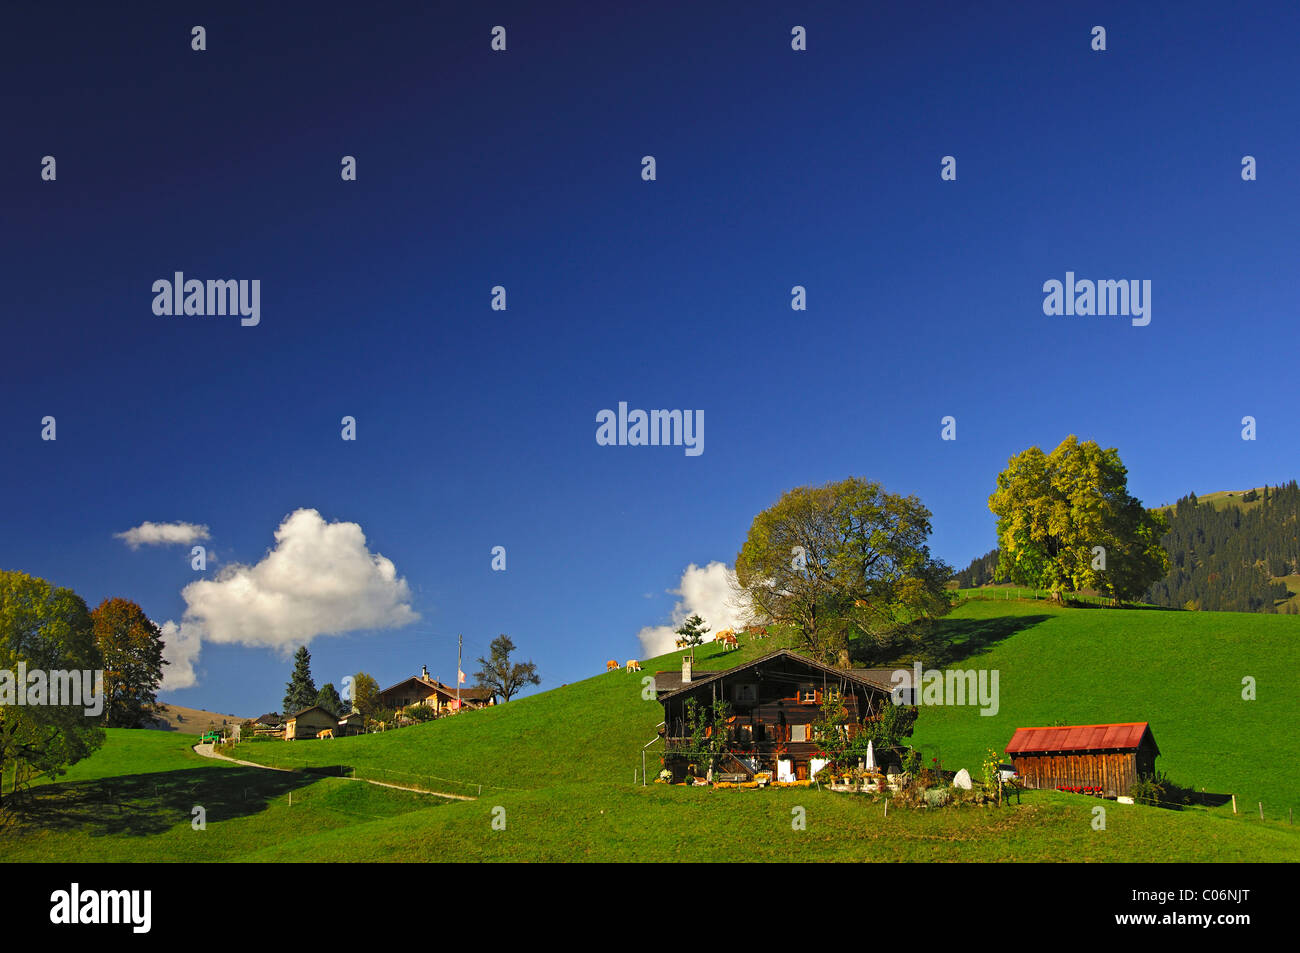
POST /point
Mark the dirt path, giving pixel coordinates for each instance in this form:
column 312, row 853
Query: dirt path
column 207, row 751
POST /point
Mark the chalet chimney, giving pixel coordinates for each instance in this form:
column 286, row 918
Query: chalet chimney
column 424, row 672
column 686, row 669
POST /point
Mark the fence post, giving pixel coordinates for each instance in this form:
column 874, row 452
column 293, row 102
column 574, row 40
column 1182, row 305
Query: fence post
column 1261, row 810
column 1234, row 804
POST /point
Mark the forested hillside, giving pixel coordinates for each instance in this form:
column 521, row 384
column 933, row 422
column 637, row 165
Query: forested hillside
column 1224, row 555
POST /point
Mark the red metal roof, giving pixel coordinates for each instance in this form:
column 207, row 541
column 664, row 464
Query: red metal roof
column 1125, row 737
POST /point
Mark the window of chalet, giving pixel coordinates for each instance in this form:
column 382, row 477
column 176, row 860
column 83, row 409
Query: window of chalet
column 798, row 732
column 807, row 693
column 746, row 694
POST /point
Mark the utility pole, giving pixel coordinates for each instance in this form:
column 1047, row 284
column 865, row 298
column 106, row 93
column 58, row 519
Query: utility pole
column 460, row 645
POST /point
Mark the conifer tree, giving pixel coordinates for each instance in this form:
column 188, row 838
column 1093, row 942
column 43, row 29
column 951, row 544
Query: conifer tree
column 300, row 692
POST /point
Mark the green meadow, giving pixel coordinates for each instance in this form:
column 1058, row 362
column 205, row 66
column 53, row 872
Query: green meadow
column 555, row 771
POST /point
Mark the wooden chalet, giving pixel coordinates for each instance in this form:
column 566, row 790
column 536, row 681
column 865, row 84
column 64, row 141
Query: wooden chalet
column 309, row 723
column 1110, row 757
column 423, row 690
column 269, row 725
column 775, row 700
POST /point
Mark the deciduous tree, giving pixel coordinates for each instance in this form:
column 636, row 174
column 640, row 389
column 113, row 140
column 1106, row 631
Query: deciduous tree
column 132, row 648
column 365, row 693
column 502, row 677
column 1066, row 522
column 47, row 628
column 841, row 560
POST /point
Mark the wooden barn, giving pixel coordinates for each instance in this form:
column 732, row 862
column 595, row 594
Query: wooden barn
column 1110, row 757
column 309, row 723
column 775, row 700
column 353, row 723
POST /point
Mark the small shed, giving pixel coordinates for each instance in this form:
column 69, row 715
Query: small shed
column 309, row 723
column 353, row 723
column 1109, row 757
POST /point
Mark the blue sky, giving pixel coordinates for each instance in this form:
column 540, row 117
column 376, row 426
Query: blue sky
column 476, row 428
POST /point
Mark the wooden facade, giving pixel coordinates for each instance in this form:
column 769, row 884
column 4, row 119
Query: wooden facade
column 1109, row 757
column 431, row 693
column 774, row 702
column 308, row 723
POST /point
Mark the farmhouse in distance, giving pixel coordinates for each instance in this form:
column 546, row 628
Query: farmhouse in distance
column 423, row 690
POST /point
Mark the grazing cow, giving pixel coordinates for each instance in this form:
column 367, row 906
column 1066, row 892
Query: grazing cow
column 728, row 640
column 327, row 733
column 611, row 665
column 682, row 643
column 633, row 665
column 757, row 632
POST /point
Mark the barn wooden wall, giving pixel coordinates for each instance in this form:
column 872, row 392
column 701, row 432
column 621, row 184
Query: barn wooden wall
column 1114, row 772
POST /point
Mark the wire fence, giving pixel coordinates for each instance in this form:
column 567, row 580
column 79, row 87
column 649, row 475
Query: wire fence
column 1186, row 799
column 1010, row 593
column 462, row 787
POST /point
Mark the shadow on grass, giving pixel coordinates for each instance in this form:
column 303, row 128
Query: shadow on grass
column 1205, row 799
column 141, row 804
column 950, row 641
column 1127, row 607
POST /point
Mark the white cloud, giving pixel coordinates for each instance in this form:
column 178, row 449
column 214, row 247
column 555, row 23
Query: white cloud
column 319, row 579
column 181, row 645
column 711, row 593
column 163, row 534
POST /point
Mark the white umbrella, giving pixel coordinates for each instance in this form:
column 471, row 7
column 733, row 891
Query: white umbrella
column 871, row 756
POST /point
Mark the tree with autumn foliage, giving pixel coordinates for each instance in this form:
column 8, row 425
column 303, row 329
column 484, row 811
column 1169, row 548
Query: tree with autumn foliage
column 1066, row 522
column 132, row 648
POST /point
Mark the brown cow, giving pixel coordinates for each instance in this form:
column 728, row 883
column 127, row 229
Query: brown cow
column 327, row 733
column 633, row 665
column 611, row 665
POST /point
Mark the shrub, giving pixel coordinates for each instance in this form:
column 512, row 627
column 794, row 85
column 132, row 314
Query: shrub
column 1156, row 789
column 937, row 797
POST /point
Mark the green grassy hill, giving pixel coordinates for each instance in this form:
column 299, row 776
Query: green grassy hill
column 558, row 766
column 1180, row 671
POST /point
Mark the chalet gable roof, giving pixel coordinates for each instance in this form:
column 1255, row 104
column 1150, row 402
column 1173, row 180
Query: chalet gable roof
column 668, row 684
column 323, row 711
column 1127, row 736
column 433, row 685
